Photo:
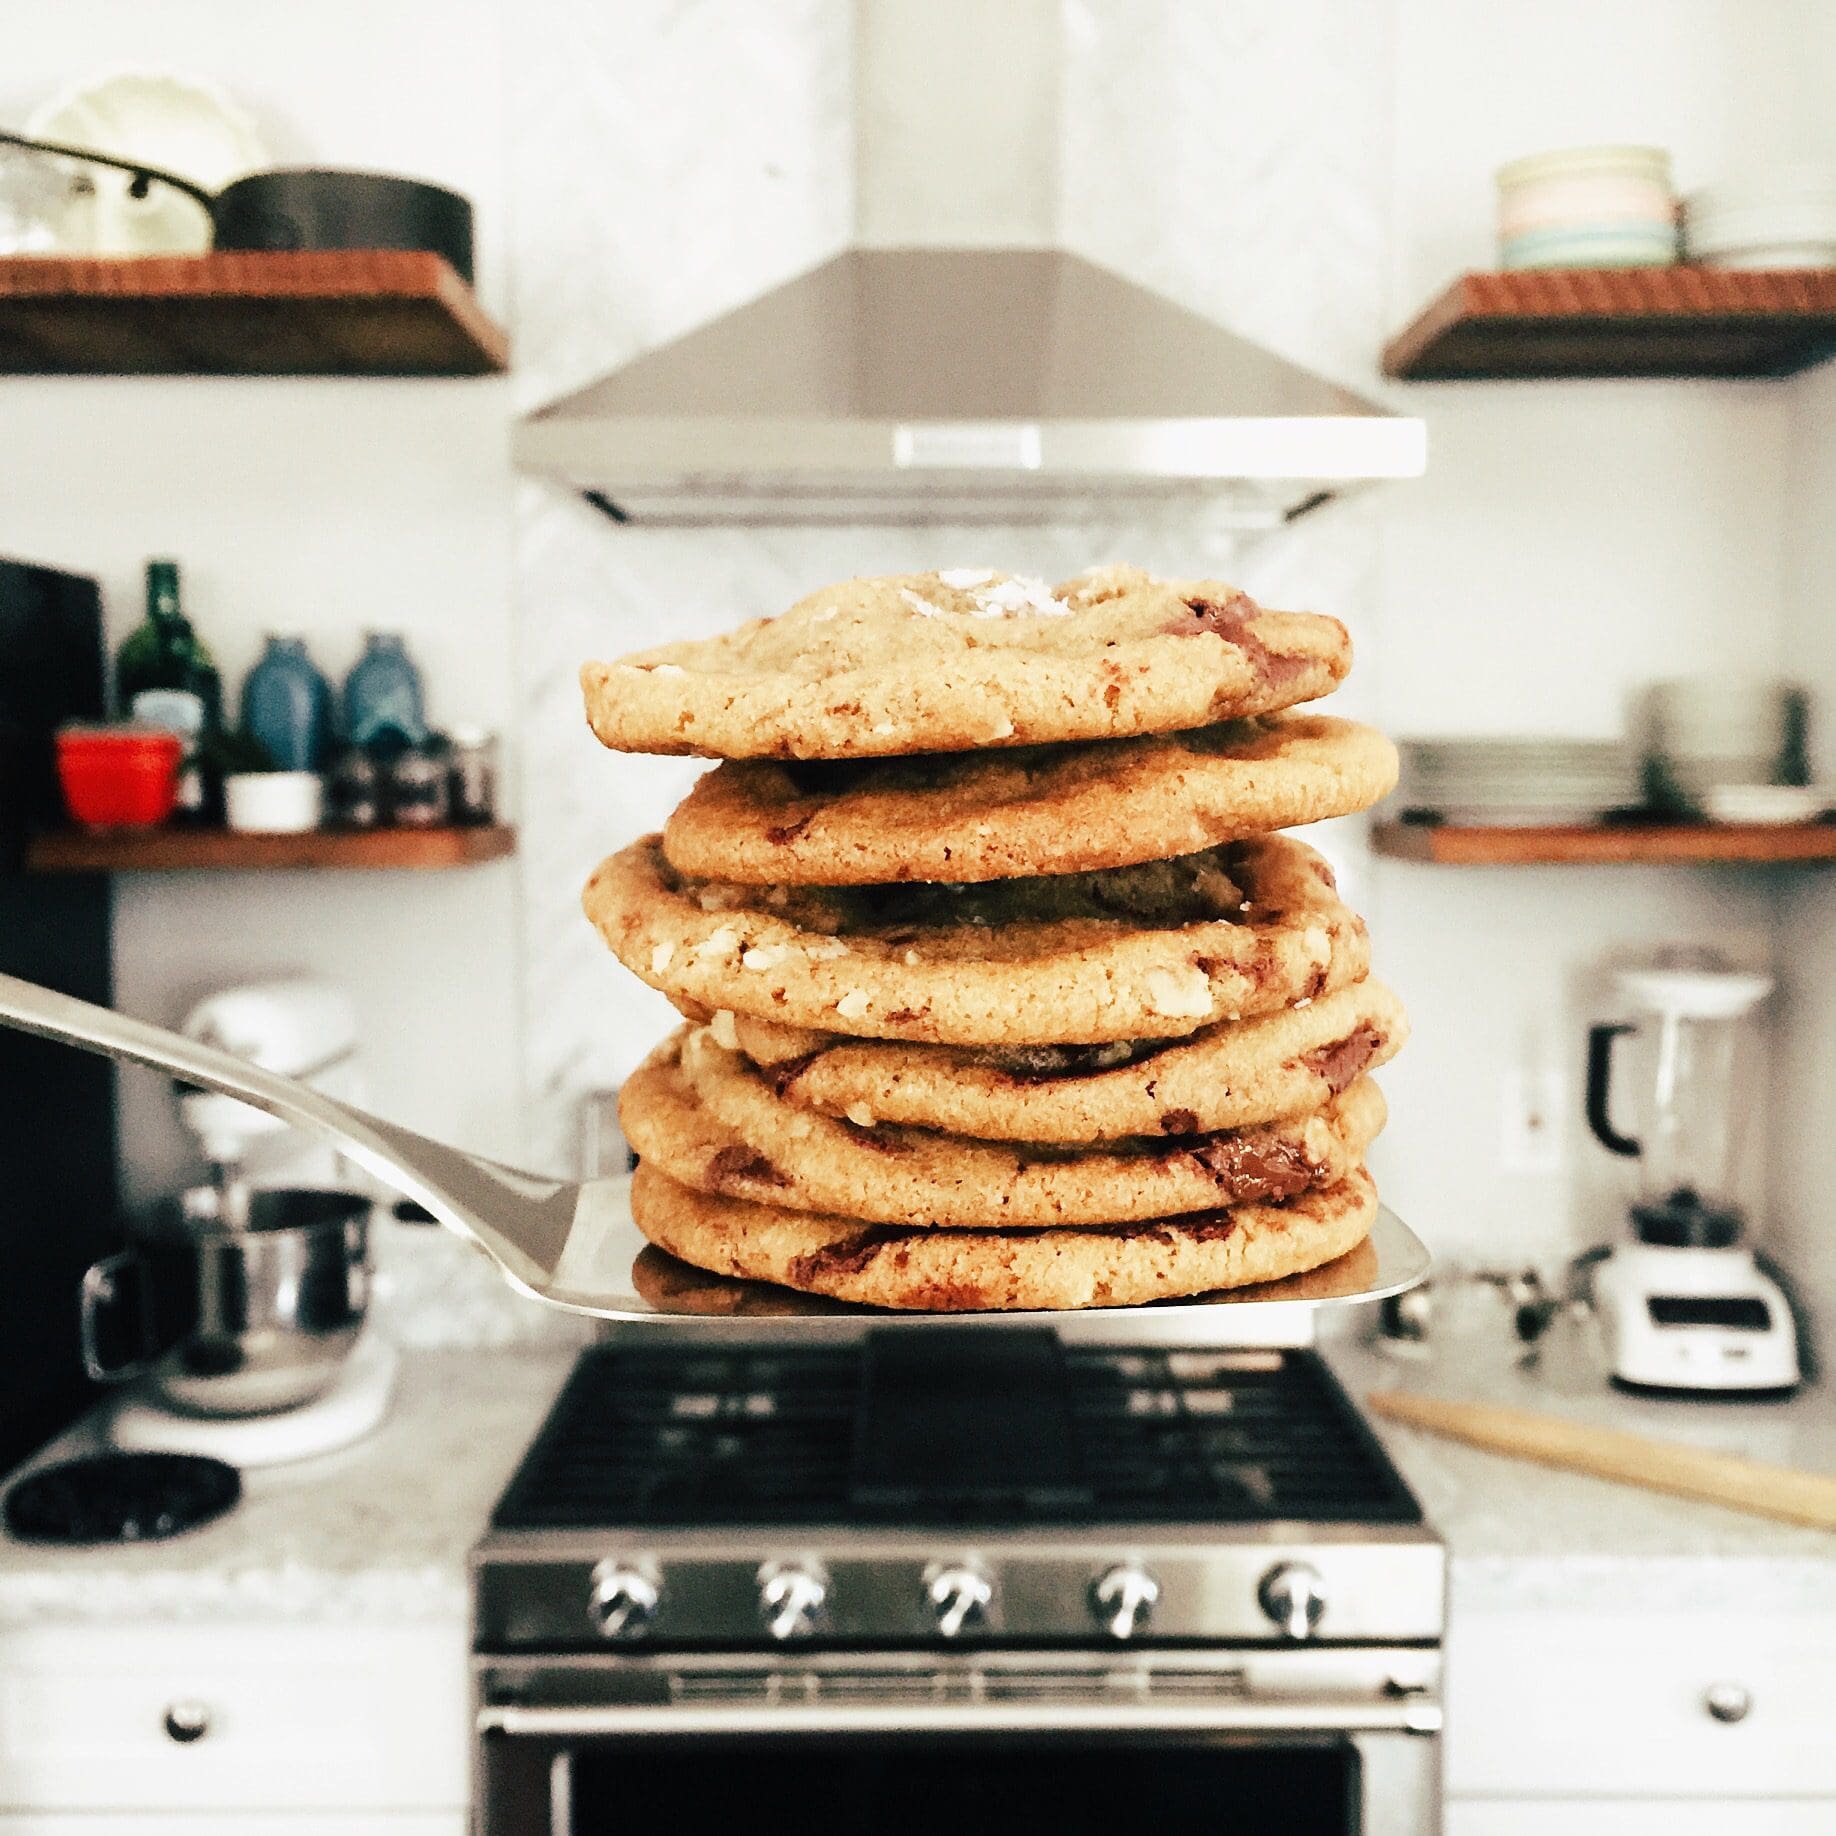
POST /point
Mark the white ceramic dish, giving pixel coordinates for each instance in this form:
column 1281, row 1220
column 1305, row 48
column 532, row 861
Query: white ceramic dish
column 273, row 802
column 184, row 125
column 1771, row 804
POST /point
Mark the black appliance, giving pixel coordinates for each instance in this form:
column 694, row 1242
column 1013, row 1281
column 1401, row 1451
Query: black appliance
column 57, row 1108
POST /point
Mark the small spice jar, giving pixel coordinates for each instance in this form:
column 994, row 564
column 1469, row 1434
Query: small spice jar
column 473, row 788
column 355, row 787
column 419, row 788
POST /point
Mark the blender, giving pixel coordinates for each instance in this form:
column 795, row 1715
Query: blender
column 1684, row 1305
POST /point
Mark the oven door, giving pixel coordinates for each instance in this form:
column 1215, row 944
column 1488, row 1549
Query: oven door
column 909, row 1751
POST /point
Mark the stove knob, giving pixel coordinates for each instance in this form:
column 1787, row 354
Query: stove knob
column 960, row 1594
column 624, row 1600
column 1294, row 1596
column 792, row 1599
column 1123, row 1599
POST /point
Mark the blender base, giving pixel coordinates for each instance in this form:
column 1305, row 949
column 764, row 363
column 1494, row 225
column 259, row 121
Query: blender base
column 1707, row 1322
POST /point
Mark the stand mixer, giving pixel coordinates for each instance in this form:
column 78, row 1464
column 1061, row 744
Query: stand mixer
column 299, row 1028
column 272, row 1254
column 1684, row 1305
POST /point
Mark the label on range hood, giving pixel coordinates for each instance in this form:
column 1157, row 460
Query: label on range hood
column 967, row 446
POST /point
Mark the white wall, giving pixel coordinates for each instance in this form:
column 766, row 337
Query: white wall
column 325, row 506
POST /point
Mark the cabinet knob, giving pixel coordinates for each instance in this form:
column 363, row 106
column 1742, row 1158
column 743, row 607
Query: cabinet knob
column 187, row 1721
column 1728, row 1702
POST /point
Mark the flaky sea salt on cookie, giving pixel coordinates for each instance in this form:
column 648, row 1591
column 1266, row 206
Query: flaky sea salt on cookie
column 952, row 661
column 1153, row 951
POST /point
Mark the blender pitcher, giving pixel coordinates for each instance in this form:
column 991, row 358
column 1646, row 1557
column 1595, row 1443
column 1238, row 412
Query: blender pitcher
column 1687, row 1102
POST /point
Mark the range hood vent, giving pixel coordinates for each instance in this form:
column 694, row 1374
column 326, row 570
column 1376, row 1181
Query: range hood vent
column 946, row 370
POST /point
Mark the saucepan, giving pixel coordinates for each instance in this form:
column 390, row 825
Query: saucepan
column 307, row 207
column 572, row 1243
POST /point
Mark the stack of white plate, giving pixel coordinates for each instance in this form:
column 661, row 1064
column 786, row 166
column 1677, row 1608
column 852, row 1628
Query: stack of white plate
column 1781, row 218
column 1518, row 781
column 1709, row 733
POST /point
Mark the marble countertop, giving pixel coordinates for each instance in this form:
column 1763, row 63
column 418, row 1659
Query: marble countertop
column 382, row 1530
column 1524, row 1535
column 378, row 1531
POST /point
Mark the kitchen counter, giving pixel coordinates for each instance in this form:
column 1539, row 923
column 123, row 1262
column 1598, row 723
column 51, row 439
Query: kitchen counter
column 381, row 1531
column 1527, row 1536
column 377, row 1531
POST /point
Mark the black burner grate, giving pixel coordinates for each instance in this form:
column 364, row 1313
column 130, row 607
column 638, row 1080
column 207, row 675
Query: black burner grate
column 758, row 1435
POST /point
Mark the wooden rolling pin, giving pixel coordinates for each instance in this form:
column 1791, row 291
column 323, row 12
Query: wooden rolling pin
column 1632, row 1459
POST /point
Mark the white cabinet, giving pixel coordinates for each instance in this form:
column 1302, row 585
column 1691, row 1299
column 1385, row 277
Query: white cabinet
column 139, row 1729
column 1633, row 1722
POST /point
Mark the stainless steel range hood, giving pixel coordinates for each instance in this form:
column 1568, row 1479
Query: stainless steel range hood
column 953, row 365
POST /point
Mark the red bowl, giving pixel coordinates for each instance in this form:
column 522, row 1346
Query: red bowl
column 119, row 777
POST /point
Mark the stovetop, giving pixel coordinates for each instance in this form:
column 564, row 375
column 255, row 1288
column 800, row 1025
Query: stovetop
column 950, row 1428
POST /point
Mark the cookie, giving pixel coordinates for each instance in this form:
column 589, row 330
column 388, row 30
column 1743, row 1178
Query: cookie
column 1033, row 810
column 1151, row 951
column 671, row 1286
column 1231, row 1075
column 948, row 662
column 709, row 1121
column 962, row 1271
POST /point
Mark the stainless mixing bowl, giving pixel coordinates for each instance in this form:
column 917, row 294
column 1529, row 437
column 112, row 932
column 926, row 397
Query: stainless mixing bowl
column 266, row 1312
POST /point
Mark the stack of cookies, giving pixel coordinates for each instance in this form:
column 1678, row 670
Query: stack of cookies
column 1002, row 989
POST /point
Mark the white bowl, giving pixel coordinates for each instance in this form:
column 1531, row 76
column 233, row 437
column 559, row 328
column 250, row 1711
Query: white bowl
column 1782, row 804
column 273, row 802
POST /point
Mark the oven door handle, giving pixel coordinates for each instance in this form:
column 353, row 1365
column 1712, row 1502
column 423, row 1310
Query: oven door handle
column 1401, row 1714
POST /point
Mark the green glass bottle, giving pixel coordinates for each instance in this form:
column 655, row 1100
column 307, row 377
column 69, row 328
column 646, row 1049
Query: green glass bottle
column 164, row 654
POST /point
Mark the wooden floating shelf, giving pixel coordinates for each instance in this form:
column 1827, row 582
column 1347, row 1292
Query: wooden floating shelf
column 227, row 851
column 384, row 312
column 1678, row 844
column 1605, row 322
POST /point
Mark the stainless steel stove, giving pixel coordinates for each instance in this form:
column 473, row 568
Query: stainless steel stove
column 957, row 1570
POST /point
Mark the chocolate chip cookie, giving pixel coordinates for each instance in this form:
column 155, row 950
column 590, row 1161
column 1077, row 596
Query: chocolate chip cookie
column 1152, row 951
column 961, row 1271
column 998, row 815
column 1230, row 1075
column 952, row 661
column 702, row 1115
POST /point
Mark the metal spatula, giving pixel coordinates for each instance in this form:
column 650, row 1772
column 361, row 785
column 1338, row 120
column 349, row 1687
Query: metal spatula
column 570, row 1243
